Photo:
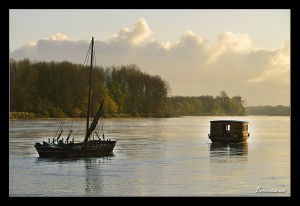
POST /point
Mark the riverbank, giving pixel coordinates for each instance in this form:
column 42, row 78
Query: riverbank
column 29, row 115
column 26, row 115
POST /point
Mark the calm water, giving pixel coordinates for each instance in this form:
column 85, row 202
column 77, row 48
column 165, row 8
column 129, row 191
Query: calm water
column 154, row 157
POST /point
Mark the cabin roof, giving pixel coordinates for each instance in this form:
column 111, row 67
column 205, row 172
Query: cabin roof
column 233, row 121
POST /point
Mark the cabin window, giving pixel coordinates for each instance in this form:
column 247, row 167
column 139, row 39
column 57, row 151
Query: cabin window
column 216, row 128
column 227, row 127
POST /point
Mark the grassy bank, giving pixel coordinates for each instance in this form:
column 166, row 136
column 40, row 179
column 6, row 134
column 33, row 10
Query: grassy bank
column 25, row 115
column 28, row 115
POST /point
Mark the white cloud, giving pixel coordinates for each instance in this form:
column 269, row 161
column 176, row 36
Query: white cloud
column 282, row 55
column 188, row 41
column 30, row 44
column 277, row 68
column 190, row 37
column 137, row 35
column 166, row 45
column 59, row 37
column 191, row 65
column 230, row 42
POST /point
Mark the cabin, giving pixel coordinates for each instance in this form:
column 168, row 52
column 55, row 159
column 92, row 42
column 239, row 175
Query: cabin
column 228, row 131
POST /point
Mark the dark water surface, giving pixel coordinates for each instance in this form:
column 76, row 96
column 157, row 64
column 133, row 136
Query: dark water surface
column 155, row 157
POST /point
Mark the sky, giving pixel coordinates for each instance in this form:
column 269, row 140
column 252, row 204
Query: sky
column 243, row 52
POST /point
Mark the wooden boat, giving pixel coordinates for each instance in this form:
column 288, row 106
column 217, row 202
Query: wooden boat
column 228, row 131
column 58, row 148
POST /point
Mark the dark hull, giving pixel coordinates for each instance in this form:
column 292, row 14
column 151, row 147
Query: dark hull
column 228, row 139
column 67, row 150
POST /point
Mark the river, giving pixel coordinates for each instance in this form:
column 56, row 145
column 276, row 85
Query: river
column 155, row 157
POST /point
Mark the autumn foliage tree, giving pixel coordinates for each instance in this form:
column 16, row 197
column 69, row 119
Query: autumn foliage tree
column 60, row 89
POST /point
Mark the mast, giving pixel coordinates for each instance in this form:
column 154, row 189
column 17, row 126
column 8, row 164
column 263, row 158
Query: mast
column 89, row 97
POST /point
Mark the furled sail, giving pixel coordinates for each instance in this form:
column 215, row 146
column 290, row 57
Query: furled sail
column 95, row 121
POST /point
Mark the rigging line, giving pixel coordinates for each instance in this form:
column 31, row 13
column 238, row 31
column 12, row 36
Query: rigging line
column 72, row 124
column 102, row 124
column 97, row 135
column 95, row 57
column 61, row 131
column 59, row 128
column 87, row 55
column 97, row 127
column 70, row 131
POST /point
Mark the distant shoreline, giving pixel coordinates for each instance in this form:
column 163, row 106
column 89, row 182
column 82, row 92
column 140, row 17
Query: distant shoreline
column 33, row 116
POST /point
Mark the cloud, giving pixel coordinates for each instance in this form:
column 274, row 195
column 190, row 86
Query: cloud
column 193, row 66
column 28, row 50
column 189, row 38
column 137, row 35
column 59, row 37
column 276, row 67
column 230, row 42
column 188, row 44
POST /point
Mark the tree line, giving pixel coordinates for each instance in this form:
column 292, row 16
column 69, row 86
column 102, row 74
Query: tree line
column 206, row 105
column 60, row 89
column 278, row 110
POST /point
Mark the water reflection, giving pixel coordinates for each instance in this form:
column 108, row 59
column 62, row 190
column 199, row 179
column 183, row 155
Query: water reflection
column 101, row 159
column 94, row 173
column 88, row 172
column 228, row 152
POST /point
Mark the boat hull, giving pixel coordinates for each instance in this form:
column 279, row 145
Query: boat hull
column 75, row 150
column 228, row 139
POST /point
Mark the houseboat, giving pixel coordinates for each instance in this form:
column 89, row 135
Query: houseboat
column 227, row 131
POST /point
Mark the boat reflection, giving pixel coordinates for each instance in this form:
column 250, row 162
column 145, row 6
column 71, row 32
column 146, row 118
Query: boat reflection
column 74, row 159
column 89, row 169
column 228, row 161
column 222, row 152
column 94, row 173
